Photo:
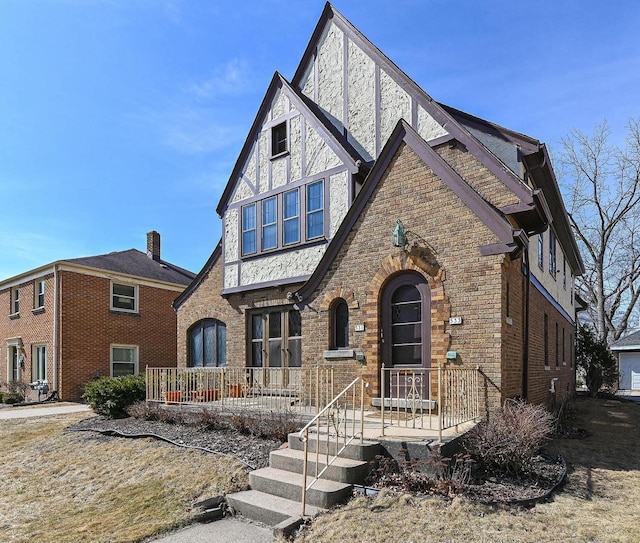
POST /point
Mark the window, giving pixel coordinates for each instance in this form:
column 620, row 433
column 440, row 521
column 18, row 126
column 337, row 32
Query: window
column 124, row 297
column 291, row 210
column 249, row 229
column 541, row 251
column 276, row 338
column 15, row 301
column 269, row 224
column 564, row 358
column 124, row 360
column 556, row 352
column 39, row 363
column 571, row 350
column 564, row 272
column 315, row 210
column 279, row 139
column 508, row 301
column 552, row 254
column 208, row 344
column 546, row 340
column 340, row 325
column 38, row 300
column 280, row 222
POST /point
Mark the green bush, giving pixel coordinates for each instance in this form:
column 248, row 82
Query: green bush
column 110, row 396
column 12, row 397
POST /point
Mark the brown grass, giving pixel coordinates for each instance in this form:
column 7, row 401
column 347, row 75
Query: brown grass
column 58, row 486
column 600, row 502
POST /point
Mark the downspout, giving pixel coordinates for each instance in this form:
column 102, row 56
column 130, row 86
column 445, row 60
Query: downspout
column 525, row 350
column 54, row 385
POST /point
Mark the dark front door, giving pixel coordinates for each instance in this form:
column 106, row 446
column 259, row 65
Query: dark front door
column 406, row 335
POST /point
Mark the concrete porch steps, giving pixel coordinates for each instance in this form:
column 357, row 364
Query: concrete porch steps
column 276, row 491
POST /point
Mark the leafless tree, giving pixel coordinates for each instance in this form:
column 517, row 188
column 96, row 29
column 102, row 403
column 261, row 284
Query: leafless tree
column 601, row 185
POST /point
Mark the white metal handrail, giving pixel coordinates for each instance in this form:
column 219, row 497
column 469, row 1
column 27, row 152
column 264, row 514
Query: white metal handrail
column 333, row 421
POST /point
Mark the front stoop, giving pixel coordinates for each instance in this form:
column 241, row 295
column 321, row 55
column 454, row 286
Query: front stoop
column 276, row 492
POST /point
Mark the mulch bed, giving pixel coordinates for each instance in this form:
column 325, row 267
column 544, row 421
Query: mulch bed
column 544, row 475
column 252, row 451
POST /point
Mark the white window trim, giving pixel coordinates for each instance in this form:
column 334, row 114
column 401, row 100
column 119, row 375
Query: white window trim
column 17, row 343
column 34, row 361
column 15, row 299
column 36, row 293
column 136, row 292
column 135, row 348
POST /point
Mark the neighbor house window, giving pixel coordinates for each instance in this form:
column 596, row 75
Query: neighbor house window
column 39, row 363
column 315, row 210
column 552, row 253
column 208, row 344
column 269, row 224
column 279, row 139
column 38, row 300
column 340, row 325
column 564, row 272
column 541, row 251
column 124, row 297
column 15, row 300
column 291, row 210
column 564, row 358
column 124, row 360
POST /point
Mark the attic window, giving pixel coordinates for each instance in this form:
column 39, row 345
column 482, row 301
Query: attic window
column 279, row 139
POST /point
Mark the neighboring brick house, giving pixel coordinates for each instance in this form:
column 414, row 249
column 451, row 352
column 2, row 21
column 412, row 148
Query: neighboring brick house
column 347, row 154
column 73, row 320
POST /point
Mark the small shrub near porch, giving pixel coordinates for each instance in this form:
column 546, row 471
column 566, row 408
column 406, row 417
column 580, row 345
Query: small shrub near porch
column 110, row 396
column 511, row 437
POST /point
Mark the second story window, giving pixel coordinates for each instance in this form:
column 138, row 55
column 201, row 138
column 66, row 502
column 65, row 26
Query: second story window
column 124, row 297
column 541, row 251
column 287, row 219
column 315, row 210
column 564, row 272
column 15, row 301
column 269, row 224
column 291, row 210
column 249, row 229
column 552, row 254
column 38, row 300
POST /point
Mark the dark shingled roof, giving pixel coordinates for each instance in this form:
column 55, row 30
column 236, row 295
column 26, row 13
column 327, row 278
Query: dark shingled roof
column 631, row 340
column 134, row 262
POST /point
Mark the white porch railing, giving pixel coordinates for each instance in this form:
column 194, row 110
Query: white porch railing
column 306, row 390
column 429, row 398
column 335, row 427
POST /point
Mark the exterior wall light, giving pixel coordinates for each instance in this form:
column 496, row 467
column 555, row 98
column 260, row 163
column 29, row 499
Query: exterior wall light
column 399, row 238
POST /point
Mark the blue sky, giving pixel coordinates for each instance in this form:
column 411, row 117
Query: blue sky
column 122, row 116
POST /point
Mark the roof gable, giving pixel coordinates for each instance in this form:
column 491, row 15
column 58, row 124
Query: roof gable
column 135, row 263
column 490, row 217
column 313, row 117
column 422, row 109
column 193, row 286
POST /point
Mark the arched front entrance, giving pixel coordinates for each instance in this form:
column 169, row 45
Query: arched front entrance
column 405, row 335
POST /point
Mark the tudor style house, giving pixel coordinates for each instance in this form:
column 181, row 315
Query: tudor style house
column 367, row 226
column 73, row 320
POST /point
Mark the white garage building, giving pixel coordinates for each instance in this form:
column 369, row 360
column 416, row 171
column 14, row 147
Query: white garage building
column 628, row 351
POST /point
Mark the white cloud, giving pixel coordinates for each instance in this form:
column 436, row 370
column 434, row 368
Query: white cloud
column 231, row 79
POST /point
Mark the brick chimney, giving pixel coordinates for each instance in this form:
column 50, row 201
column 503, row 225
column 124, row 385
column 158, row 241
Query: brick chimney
column 153, row 245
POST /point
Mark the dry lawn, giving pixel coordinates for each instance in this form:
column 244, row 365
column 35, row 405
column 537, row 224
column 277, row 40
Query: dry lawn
column 70, row 487
column 599, row 504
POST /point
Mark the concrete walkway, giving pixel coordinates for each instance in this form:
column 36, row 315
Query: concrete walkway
column 227, row 530
column 45, row 410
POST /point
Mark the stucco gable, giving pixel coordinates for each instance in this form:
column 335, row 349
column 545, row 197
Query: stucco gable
column 493, row 219
column 245, row 179
column 395, row 95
